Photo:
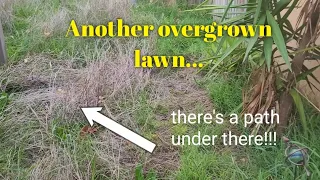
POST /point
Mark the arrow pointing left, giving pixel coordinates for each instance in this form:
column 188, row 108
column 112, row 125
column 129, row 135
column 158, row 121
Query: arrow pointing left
column 93, row 114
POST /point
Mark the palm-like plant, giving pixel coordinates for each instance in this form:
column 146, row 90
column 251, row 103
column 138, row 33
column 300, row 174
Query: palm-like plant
column 273, row 86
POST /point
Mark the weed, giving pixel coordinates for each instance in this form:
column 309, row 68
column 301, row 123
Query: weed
column 139, row 175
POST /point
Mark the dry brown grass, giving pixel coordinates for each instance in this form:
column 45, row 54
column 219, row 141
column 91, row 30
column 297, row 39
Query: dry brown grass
column 54, row 89
column 6, row 11
column 52, row 19
column 93, row 12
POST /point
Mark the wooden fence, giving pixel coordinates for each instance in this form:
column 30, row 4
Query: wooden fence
column 233, row 12
column 3, row 53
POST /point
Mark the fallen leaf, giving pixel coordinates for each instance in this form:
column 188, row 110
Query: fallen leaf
column 88, row 130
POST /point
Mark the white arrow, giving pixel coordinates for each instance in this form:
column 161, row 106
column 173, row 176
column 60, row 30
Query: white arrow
column 93, row 114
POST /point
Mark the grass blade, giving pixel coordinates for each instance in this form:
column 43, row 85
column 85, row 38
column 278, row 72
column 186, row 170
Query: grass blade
column 299, row 105
column 226, row 11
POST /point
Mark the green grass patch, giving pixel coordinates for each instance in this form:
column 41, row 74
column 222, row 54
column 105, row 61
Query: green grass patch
column 15, row 158
column 159, row 14
column 208, row 164
column 226, row 92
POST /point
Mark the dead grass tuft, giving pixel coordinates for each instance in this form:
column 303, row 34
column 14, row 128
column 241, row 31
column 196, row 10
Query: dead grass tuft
column 65, row 89
column 103, row 9
column 6, row 11
column 51, row 18
column 48, row 89
column 87, row 12
column 179, row 91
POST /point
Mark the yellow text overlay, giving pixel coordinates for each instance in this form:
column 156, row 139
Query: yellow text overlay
column 209, row 33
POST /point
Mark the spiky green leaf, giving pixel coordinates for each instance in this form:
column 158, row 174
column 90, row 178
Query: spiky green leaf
column 267, row 49
column 278, row 38
column 299, row 105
